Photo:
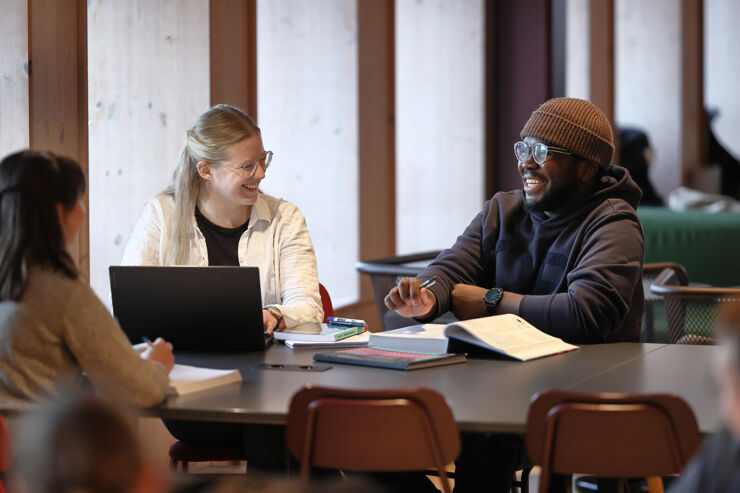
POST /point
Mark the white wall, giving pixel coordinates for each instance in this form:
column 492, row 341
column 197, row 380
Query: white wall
column 439, row 121
column 722, row 69
column 148, row 81
column 307, row 110
column 14, row 129
column 648, row 72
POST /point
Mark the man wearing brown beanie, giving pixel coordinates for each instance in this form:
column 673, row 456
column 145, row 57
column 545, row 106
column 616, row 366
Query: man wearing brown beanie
column 564, row 253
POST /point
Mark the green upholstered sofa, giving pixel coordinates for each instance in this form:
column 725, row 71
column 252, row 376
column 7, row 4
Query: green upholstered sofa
column 706, row 244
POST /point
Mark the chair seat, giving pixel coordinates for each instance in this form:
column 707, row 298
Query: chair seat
column 203, row 452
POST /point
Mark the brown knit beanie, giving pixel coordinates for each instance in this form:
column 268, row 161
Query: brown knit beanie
column 575, row 125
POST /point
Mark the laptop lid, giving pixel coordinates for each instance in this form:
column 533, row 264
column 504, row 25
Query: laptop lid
column 194, row 308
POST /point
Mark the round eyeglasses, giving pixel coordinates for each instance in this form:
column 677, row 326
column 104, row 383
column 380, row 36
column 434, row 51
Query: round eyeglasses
column 538, row 151
column 249, row 168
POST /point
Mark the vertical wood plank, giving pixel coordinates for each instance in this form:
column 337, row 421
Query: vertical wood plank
column 13, row 76
column 58, row 90
column 233, row 50
column 601, row 60
column 376, row 144
column 693, row 126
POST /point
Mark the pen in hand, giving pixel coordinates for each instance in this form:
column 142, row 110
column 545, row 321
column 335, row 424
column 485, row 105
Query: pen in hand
column 429, row 282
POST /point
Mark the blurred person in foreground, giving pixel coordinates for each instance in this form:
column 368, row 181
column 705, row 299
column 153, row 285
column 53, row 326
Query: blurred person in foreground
column 716, row 469
column 79, row 445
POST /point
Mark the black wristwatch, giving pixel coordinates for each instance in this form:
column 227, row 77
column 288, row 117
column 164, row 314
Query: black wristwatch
column 492, row 299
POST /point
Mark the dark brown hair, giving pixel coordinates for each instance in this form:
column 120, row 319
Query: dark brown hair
column 31, row 184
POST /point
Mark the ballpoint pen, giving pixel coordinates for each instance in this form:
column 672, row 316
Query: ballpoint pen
column 429, row 282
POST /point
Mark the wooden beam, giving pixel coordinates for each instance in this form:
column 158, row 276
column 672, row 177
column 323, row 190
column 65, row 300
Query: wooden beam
column 57, row 49
column 693, row 117
column 601, row 56
column 376, row 140
column 233, row 49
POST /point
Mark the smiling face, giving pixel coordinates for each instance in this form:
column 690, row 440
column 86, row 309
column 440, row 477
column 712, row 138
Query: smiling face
column 225, row 181
column 559, row 184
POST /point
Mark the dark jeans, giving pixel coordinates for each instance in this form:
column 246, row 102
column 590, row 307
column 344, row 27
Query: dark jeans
column 264, row 445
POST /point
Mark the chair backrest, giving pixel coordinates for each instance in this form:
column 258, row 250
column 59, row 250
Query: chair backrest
column 386, row 272
column 326, row 302
column 691, row 311
column 371, row 430
column 610, row 435
column 6, row 451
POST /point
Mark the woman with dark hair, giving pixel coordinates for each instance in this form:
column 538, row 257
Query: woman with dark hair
column 52, row 326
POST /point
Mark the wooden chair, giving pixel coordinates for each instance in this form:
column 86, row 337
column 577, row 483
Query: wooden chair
column 610, row 435
column 372, row 430
column 691, row 310
column 182, row 453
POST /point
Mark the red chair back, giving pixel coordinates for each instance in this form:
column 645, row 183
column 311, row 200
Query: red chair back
column 6, row 451
column 326, row 302
column 610, row 435
column 372, row 430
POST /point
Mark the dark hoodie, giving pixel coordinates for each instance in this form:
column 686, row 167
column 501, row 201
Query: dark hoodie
column 580, row 272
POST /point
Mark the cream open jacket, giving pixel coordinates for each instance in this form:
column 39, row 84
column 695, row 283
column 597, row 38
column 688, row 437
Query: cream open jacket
column 276, row 241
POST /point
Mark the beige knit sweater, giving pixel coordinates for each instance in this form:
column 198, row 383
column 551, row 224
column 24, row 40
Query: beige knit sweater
column 57, row 331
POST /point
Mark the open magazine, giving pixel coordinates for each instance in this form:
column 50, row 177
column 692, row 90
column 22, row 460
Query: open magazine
column 509, row 335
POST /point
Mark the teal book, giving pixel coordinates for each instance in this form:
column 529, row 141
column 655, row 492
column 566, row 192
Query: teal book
column 316, row 332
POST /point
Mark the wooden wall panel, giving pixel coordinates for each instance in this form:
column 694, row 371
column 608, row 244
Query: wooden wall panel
column 693, row 119
column 377, row 140
column 14, row 125
column 233, row 53
column 601, row 60
column 149, row 81
column 58, row 88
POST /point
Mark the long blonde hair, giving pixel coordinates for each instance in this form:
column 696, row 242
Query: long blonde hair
column 208, row 140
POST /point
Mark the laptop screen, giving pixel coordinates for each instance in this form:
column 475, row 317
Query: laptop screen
column 194, row 308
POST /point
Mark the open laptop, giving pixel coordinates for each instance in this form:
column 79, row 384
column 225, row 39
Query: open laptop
column 194, row 308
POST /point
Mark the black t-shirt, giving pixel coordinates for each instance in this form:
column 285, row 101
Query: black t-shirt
column 222, row 243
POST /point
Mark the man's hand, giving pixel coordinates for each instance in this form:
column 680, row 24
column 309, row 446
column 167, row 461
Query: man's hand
column 161, row 352
column 467, row 301
column 409, row 300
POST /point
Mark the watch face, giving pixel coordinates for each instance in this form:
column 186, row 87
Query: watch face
column 493, row 296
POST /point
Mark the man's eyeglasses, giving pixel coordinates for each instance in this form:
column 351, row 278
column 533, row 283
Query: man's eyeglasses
column 248, row 169
column 537, row 151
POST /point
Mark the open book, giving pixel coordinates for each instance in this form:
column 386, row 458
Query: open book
column 506, row 334
column 185, row 379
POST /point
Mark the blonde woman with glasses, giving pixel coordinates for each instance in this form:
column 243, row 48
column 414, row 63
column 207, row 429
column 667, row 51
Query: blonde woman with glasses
column 214, row 214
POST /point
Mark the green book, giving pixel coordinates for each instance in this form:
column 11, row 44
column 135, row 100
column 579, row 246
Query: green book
column 315, row 332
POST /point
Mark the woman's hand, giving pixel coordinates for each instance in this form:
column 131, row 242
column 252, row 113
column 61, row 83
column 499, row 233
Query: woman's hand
column 270, row 322
column 161, row 352
column 411, row 300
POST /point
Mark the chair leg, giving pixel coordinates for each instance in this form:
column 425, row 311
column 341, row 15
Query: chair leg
column 655, row 484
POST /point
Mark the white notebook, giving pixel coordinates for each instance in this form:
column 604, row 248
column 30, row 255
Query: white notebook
column 185, row 379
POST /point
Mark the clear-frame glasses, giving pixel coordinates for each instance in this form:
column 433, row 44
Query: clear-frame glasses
column 249, row 168
column 538, row 151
